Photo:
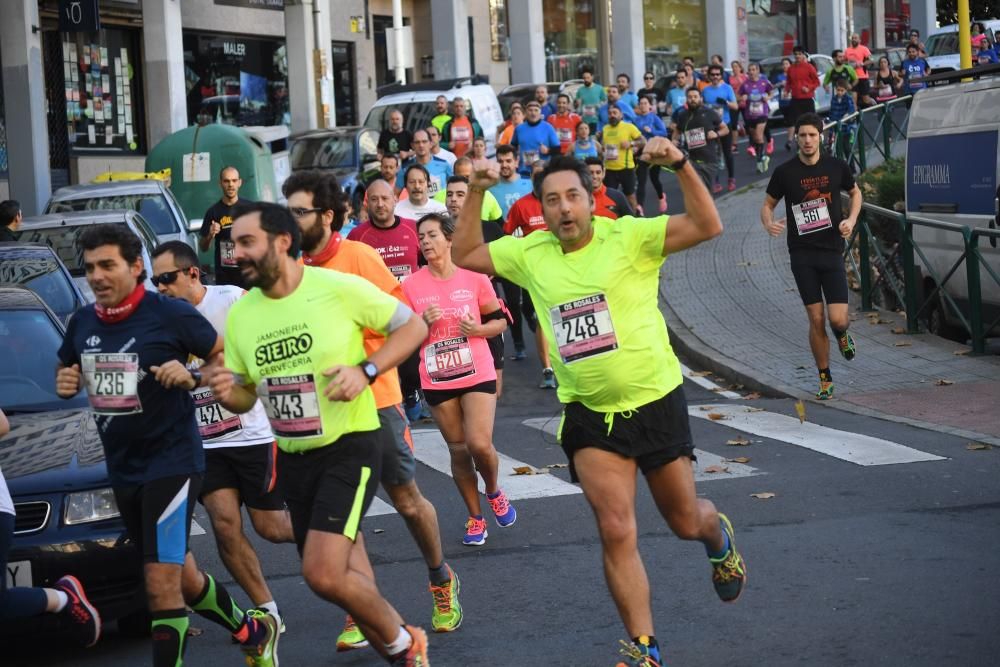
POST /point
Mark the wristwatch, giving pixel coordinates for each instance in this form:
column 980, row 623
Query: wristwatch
column 196, row 376
column 370, row 370
column 677, row 166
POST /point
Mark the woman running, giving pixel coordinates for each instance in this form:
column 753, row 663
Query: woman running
column 886, row 81
column 456, row 370
column 755, row 98
column 585, row 146
column 736, row 79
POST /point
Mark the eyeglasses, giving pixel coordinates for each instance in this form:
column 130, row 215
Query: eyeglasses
column 299, row 212
column 167, row 277
column 648, row 78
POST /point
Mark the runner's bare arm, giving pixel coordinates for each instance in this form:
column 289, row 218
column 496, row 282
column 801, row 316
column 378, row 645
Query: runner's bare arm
column 468, row 249
column 846, row 227
column 701, row 222
column 773, row 227
column 232, row 391
column 68, row 379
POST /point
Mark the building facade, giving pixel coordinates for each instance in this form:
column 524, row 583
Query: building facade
column 76, row 102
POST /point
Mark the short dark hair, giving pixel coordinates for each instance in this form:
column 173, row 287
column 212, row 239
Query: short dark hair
column 227, row 168
column 8, row 211
column 912, row 46
column 586, row 69
column 184, row 255
column 836, row 52
column 562, row 95
column 593, row 160
column 798, row 49
column 447, row 224
column 504, row 149
column 623, row 74
column 564, row 163
column 274, row 220
column 812, row 119
column 715, row 68
column 325, row 190
column 391, row 156
column 456, row 179
column 914, row 31
column 129, row 244
column 416, row 166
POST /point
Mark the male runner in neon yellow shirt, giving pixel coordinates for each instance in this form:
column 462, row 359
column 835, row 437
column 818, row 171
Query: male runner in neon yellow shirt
column 296, row 340
column 594, row 284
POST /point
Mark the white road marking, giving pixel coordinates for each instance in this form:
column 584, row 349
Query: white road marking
column 705, row 459
column 379, row 507
column 705, row 383
column 851, row 447
column 196, row 529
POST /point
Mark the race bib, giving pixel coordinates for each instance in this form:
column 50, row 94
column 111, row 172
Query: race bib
column 292, row 406
column 112, row 380
column 214, row 421
column 433, row 187
column 885, row 91
column 756, row 109
column 695, row 137
column 812, row 216
column 529, row 157
column 461, row 134
column 400, row 271
column 227, row 253
column 449, row 359
column 583, row 328
column 611, row 152
column 565, row 135
column 589, row 110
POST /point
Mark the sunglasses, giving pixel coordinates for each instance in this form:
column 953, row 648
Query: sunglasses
column 167, row 277
column 299, row 212
column 648, row 78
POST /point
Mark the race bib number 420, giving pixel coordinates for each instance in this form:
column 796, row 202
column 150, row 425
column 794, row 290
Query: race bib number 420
column 292, row 406
column 214, row 421
column 449, row 359
column 583, row 328
column 112, row 380
column 812, row 216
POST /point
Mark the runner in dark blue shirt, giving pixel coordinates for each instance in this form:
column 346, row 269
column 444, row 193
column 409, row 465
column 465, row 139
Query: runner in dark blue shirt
column 128, row 350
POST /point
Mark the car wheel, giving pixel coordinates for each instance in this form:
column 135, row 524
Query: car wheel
column 937, row 323
column 136, row 624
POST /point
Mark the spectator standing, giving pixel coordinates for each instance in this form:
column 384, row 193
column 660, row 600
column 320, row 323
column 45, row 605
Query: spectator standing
column 396, row 140
column 10, row 219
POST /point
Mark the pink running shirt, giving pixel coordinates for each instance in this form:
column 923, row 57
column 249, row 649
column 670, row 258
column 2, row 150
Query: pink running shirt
column 397, row 244
column 448, row 359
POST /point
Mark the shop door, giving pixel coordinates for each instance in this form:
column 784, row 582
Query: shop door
column 345, row 84
column 55, row 94
column 383, row 73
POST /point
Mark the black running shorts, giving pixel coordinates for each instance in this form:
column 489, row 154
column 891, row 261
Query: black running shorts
column 249, row 469
column 819, row 274
column 653, row 434
column 330, row 488
column 798, row 107
column 439, row 396
column 157, row 516
column 621, row 179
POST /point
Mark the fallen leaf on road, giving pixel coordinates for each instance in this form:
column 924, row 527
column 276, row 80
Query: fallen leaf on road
column 717, row 416
column 699, row 374
column 755, row 409
column 897, row 330
column 944, row 383
column 960, row 353
column 557, row 465
column 738, row 442
column 378, row 530
column 763, row 495
column 528, row 470
column 902, row 343
column 739, row 459
column 716, row 469
column 800, row 410
column 978, row 446
column 752, row 396
column 706, row 408
column 194, row 632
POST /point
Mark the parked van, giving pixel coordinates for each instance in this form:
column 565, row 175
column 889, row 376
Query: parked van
column 942, row 46
column 952, row 166
column 416, row 102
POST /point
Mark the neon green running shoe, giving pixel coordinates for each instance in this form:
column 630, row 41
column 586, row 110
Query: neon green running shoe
column 447, row 615
column 261, row 649
column 729, row 573
column 350, row 637
column 845, row 342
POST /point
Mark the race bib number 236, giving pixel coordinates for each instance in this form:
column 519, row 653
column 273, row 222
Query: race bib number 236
column 112, row 381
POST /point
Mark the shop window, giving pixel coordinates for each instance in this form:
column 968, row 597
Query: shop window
column 772, row 28
column 236, row 80
column 570, row 38
column 499, row 42
column 897, row 23
column 104, row 106
column 673, row 31
column 863, row 21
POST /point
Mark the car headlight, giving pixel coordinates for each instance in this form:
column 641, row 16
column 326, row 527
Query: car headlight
column 90, row 506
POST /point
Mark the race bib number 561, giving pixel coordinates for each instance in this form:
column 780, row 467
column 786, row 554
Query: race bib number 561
column 812, row 216
column 292, row 406
column 583, row 328
column 112, row 381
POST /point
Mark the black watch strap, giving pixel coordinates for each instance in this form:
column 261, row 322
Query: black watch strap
column 677, row 166
column 370, row 370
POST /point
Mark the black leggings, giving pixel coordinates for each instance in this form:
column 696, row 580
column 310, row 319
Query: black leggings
column 726, row 143
column 654, row 176
column 18, row 602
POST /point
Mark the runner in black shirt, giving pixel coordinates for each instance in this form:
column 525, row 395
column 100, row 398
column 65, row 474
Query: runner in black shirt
column 216, row 224
column 811, row 183
column 396, row 140
column 697, row 129
column 129, row 350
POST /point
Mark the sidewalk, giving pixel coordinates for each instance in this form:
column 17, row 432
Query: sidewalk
column 732, row 306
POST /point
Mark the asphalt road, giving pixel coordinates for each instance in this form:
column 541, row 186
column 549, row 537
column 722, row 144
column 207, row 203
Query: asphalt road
column 849, row 564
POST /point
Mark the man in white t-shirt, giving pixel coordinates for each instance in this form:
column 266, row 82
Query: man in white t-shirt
column 239, row 449
column 419, row 203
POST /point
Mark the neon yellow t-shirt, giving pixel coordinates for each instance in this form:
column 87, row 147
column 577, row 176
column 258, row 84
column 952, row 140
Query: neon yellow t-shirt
column 491, row 210
column 608, row 342
column 283, row 346
column 616, row 157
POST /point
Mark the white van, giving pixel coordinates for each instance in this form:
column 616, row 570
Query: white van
column 942, row 46
column 952, row 167
column 416, row 102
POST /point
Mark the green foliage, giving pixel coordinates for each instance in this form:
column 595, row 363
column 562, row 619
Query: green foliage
column 885, row 186
column 947, row 10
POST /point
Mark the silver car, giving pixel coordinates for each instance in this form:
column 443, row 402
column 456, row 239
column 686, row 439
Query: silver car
column 152, row 199
column 61, row 232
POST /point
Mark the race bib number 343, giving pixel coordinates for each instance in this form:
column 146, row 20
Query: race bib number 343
column 292, row 406
column 112, row 381
column 583, row 328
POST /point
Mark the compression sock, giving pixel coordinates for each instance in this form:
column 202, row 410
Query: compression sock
column 215, row 604
column 440, row 575
column 169, row 636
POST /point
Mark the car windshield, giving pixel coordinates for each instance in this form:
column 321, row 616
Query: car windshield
column 152, row 207
column 323, row 152
column 41, row 275
column 416, row 115
column 64, row 240
column 944, row 44
column 29, row 341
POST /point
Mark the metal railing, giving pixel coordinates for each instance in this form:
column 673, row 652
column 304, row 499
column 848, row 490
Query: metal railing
column 858, row 140
column 893, row 267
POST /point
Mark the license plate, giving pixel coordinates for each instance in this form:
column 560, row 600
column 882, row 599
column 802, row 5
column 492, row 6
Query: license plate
column 19, row 573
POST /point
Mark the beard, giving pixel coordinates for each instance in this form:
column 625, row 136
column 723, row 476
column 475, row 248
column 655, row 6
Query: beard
column 312, row 237
column 264, row 272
